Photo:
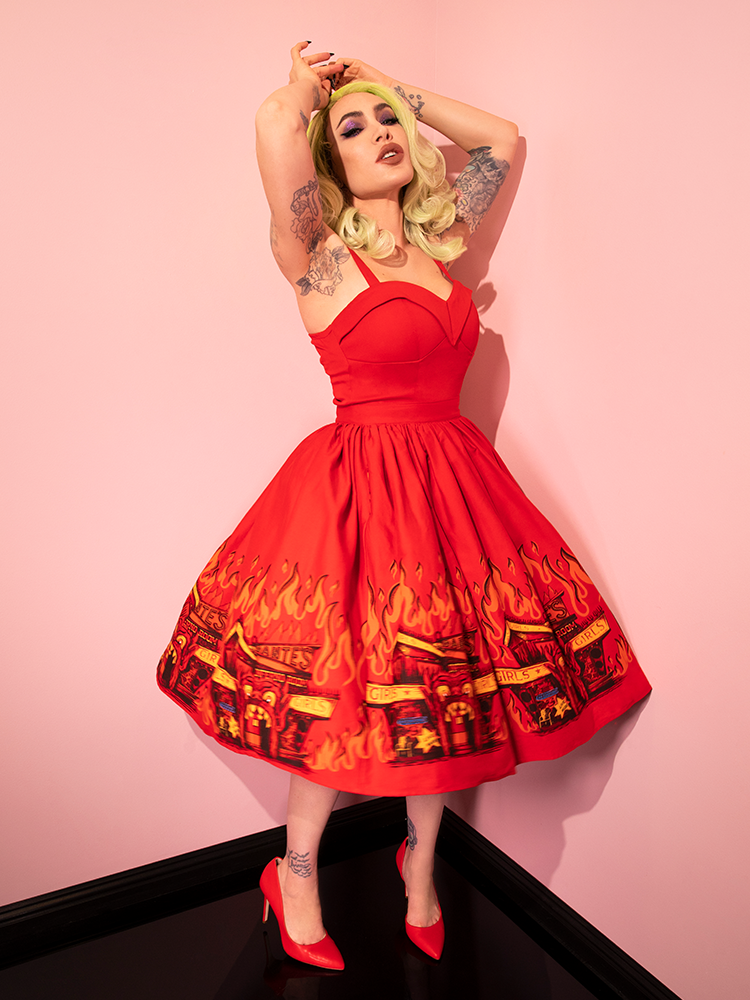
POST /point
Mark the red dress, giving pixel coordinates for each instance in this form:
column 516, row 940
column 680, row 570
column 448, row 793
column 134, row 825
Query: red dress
column 393, row 616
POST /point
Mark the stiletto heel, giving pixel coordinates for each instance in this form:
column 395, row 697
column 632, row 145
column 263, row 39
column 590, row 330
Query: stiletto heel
column 323, row 953
column 430, row 939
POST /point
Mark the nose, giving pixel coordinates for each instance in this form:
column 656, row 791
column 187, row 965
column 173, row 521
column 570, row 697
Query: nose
column 383, row 132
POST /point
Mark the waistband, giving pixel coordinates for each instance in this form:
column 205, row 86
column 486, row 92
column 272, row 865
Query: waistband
column 397, row 411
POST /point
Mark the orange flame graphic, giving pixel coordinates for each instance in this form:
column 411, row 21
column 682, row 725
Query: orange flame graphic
column 204, row 707
column 294, row 611
column 345, row 751
column 624, row 656
column 445, row 608
column 217, row 578
column 504, row 596
column 521, row 720
column 571, row 578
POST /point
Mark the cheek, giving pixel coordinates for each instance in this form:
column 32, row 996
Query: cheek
column 336, row 162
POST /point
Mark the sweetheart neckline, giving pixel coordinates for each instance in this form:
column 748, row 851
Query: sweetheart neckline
column 394, row 281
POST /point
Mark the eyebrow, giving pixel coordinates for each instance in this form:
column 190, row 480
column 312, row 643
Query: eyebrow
column 360, row 114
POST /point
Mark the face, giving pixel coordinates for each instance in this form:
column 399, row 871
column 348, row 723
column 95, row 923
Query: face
column 369, row 149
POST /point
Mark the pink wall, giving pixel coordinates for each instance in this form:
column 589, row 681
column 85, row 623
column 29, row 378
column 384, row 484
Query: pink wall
column 158, row 376
column 622, row 306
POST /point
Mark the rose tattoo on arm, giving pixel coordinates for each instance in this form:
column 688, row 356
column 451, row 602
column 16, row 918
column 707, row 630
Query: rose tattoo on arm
column 477, row 186
column 324, row 272
column 307, row 207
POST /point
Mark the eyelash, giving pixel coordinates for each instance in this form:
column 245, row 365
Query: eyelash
column 356, row 129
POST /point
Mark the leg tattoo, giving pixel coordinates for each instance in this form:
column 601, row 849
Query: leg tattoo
column 412, row 834
column 300, row 864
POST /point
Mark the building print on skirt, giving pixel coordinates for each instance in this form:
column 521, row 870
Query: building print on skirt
column 438, row 670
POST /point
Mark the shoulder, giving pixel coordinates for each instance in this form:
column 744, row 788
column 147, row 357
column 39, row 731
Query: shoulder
column 324, row 272
column 332, row 279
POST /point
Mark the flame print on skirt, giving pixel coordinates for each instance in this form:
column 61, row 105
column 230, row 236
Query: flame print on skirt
column 268, row 662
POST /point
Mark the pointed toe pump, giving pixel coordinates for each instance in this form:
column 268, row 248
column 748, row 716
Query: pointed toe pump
column 430, row 939
column 323, row 953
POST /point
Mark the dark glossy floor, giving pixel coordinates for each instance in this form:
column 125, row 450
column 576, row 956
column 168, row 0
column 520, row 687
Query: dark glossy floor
column 221, row 952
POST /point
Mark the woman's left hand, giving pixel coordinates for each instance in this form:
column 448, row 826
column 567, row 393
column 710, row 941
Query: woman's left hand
column 320, row 78
column 355, row 69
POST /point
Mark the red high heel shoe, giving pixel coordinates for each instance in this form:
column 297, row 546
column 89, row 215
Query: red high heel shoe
column 323, row 953
column 429, row 939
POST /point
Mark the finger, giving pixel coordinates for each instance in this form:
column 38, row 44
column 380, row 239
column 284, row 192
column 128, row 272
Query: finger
column 332, row 76
column 296, row 50
column 336, row 73
column 331, row 69
column 317, row 57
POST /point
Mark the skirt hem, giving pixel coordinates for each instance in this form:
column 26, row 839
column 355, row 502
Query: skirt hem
column 427, row 781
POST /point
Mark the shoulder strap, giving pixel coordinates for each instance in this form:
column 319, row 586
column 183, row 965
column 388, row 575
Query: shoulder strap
column 444, row 269
column 370, row 277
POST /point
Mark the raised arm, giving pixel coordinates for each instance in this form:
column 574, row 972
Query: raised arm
column 490, row 142
column 286, row 166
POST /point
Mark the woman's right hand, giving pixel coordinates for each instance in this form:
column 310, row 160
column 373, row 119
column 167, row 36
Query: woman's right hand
column 318, row 77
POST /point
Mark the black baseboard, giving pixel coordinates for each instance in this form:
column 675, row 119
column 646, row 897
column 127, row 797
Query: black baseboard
column 595, row 961
column 55, row 920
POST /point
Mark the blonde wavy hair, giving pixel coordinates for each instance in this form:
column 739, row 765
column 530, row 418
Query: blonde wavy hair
column 427, row 201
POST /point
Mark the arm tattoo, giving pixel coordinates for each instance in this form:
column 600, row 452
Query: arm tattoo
column 324, row 272
column 305, row 120
column 477, row 186
column 309, row 211
column 413, row 102
column 316, row 97
column 300, row 864
column 274, row 237
column 412, row 833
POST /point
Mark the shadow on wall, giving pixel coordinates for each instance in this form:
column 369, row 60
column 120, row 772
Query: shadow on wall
column 524, row 815
column 488, row 380
column 267, row 784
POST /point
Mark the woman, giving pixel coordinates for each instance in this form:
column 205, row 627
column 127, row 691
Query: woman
column 392, row 617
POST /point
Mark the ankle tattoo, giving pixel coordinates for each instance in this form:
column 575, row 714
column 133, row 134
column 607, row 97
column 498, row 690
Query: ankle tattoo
column 300, row 864
column 412, row 834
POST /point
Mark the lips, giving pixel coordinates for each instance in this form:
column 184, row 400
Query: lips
column 390, row 153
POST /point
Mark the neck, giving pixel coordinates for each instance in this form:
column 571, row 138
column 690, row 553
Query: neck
column 387, row 213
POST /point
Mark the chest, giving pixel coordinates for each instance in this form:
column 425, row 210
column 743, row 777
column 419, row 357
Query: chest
column 334, row 283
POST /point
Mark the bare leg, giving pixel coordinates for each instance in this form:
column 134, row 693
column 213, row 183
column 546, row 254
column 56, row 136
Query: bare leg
column 308, row 810
column 424, row 813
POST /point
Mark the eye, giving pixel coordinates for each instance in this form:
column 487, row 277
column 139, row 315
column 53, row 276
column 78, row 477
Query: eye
column 351, row 130
column 390, row 120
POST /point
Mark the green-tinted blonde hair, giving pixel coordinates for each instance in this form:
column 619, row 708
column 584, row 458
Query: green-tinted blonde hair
column 427, row 201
